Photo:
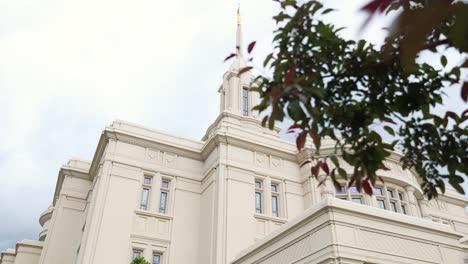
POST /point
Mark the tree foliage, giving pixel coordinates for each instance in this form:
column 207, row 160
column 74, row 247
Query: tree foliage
column 139, row 260
column 347, row 90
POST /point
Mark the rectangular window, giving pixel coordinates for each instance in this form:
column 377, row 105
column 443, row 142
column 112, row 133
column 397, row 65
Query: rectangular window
column 258, row 202
column 147, row 180
column 390, row 193
column 400, row 195
column 403, row 209
column 245, row 101
column 356, row 200
column 163, row 202
column 274, row 188
column 165, row 184
column 393, row 206
column 274, row 205
column 156, row 259
column 381, row 204
column 163, row 197
column 258, row 184
column 144, row 198
column 136, row 253
column 378, row 191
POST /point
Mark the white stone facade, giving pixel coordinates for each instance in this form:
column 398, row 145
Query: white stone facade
column 196, row 201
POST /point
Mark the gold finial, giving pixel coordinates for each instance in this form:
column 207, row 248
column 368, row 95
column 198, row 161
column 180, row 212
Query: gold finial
column 238, row 15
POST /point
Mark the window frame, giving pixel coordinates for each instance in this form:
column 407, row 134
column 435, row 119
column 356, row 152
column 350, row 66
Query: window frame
column 148, row 187
column 396, row 199
column 140, row 253
column 276, row 194
column 259, row 196
column 164, row 189
column 156, row 254
column 245, row 101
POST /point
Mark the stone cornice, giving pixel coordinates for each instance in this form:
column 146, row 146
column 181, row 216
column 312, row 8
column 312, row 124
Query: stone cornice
column 245, row 119
column 333, row 205
column 72, row 171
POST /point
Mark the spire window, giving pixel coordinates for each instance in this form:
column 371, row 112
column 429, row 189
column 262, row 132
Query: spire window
column 245, row 101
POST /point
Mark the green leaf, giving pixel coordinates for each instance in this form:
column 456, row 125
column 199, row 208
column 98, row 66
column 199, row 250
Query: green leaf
column 389, row 130
column 328, row 10
column 343, row 173
column 443, row 60
column 334, row 159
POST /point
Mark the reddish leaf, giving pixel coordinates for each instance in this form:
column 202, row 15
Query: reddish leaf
column 251, row 46
column 300, row 140
column 464, row 113
column 451, row 115
column 294, row 126
column 306, row 162
column 377, row 6
column 381, row 180
column 314, row 170
column 264, row 120
column 367, row 187
column 288, row 77
column 314, row 136
column 374, row 7
column 464, row 92
column 351, row 181
column 276, row 91
column 325, row 168
column 230, row 57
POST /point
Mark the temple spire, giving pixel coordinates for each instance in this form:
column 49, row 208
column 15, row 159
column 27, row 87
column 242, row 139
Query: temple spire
column 239, row 34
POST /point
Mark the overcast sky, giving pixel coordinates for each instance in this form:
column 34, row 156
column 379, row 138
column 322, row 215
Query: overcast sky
column 69, row 68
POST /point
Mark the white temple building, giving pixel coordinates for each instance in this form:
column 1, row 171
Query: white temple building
column 237, row 196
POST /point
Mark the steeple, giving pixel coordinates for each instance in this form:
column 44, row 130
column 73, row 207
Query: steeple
column 239, row 61
column 234, row 92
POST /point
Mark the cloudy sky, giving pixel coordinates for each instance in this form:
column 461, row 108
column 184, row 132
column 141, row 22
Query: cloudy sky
column 69, row 68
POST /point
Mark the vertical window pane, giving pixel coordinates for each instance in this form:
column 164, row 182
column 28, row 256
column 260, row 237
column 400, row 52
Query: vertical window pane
column 390, row 193
column 258, row 202
column 144, row 199
column 356, row 200
column 245, row 101
column 381, row 204
column 136, row 254
column 274, row 205
column 403, row 209
column 393, row 206
column 156, row 259
column 378, row 191
column 400, row 195
column 163, row 202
